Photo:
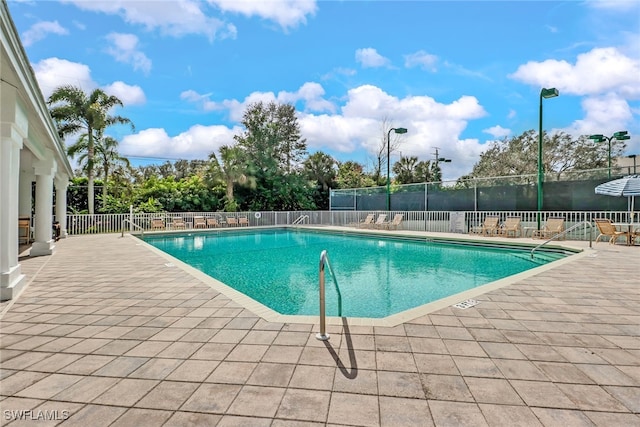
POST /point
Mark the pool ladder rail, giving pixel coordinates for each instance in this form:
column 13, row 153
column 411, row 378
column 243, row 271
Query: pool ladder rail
column 133, row 225
column 300, row 220
column 324, row 261
column 556, row 236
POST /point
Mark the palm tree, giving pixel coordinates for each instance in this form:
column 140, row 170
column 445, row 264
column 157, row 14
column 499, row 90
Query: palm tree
column 321, row 167
column 109, row 158
column 232, row 168
column 405, row 170
column 74, row 111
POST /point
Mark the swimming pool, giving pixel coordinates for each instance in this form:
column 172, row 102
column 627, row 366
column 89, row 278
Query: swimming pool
column 377, row 275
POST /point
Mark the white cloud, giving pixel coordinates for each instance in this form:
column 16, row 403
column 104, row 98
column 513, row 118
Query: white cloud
column 52, row 73
column 173, row 18
column 40, row 30
column 286, row 13
column 129, row 95
column 612, row 5
column 370, row 58
column 195, row 143
column 124, row 48
column 497, row 131
column 421, row 59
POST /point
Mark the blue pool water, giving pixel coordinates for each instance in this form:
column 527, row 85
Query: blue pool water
column 377, row 276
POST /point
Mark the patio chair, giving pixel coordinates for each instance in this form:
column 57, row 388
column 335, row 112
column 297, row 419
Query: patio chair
column 378, row 222
column 365, row 222
column 24, row 230
column 607, row 229
column 488, row 228
column 199, row 222
column 157, row 224
column 178, row 223
column 510, row 227
column 397, row 220
column 551, row 228
column 232, row 221
column 212, row 222
column 243, row 221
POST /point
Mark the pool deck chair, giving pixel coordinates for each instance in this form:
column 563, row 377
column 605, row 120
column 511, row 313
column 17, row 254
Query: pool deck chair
column 395, row 223
column 157, row 224
column 510, row 227
column 551, row 227
column 199, row 222
column 365, row 222
column 212, row 222
column 243, row 221
column 232, row 221
column 178, row 223
column 607, row 229
column 488, row 228
column 378, row 223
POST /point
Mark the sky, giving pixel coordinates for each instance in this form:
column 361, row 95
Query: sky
column 457, row 74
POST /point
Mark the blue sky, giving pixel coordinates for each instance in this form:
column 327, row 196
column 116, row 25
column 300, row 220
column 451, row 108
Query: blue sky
column 456, row 74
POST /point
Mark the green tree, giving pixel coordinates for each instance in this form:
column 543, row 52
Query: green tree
column 351, row 175
column 423, row 172
column 74, row 111
column 405, row 170
column 232, row 168
column 320, row 168
column 108, row 160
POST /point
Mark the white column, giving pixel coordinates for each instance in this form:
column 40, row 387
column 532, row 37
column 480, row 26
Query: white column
column 25, row 196
column 44, row 169
column 61, row 183
column 11, row 278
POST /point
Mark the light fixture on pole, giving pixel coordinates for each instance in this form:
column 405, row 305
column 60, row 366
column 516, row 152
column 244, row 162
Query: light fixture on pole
column 618, row 136
column 544, row 93
column 438, row 160
column 399, row 131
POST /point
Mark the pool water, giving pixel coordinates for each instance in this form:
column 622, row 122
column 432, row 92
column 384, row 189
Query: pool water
column 377, row 276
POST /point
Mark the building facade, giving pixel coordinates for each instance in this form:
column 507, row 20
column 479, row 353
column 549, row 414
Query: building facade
column 33, row 162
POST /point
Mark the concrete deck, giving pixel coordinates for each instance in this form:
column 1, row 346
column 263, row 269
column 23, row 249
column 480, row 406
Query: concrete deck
column 106, row 334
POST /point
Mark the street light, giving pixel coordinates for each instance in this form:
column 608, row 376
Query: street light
column 438, row 160
column 399, row 131
column 544, row 93
column 618, row 136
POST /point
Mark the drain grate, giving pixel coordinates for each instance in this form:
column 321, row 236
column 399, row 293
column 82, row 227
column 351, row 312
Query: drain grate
column 466, row 304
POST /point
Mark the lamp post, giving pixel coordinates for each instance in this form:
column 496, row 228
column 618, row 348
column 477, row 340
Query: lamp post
column 544, row 93
column 438, row 160
column 399, row 131
column 618, row 136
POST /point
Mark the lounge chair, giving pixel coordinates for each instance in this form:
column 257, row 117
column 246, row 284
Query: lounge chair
column 243, row 220
column 365, row 222
column 24, row 230
column 212, row 222
column 488, row 228
column 199, row 222
column 157, row 224
column 378, row 223
column 178, row 223
column 607, row 229
column 551, row 227
column 397, row 220
column 510, row 227
column 232, row 221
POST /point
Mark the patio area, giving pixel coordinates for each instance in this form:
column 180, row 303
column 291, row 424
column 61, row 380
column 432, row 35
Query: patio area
column 106, row 333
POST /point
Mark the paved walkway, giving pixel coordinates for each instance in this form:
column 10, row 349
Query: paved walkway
column 106, row 334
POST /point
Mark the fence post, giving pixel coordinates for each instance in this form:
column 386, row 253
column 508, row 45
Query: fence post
column 130, row 218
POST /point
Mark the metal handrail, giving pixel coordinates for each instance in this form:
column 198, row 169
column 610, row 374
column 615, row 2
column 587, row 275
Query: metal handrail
column 324, row 260
column 133, row 224
column 573, row 227
column 300, row 219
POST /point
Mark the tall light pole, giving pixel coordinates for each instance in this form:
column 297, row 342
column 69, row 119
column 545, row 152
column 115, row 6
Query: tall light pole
column 438, row 160
column 399, row 131
column 544, row 93
column 619, row 136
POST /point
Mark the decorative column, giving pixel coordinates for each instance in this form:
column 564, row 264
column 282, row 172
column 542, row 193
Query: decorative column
column 45, row 170
column 61, row 183
column 11, row 278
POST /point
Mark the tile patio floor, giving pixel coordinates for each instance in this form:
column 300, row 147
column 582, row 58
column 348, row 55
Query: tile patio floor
column 106, row 335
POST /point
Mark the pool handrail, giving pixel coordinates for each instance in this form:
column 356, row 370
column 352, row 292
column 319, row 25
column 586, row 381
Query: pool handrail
column 300, row 219
column 562, row 233
column 324, row 260
column 133, row 224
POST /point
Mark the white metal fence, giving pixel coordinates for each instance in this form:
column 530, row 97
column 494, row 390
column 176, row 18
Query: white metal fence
column 431, row 221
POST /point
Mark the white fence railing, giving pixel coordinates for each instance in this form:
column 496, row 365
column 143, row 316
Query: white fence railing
column 431, row 221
